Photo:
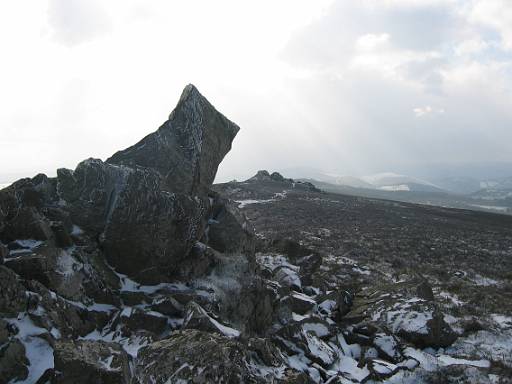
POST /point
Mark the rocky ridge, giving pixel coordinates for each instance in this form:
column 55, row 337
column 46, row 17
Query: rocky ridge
column 138, row 270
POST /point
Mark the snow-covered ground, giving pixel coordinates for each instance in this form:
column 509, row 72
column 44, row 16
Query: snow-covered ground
column 39, row 353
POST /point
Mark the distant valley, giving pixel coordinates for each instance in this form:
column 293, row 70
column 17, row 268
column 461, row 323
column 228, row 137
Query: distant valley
column 491, row 195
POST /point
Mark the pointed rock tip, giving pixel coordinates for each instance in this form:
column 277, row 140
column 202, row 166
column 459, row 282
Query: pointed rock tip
column 188, row 91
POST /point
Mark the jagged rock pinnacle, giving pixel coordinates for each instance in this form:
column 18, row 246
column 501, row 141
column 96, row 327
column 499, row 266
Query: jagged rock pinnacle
column 188, row 148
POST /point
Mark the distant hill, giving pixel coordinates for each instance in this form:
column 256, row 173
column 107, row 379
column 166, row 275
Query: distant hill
column 428, row 197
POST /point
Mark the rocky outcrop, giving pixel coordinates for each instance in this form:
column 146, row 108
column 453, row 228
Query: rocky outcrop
column 144, row 229
column 149, row 203
column 265, row 178
column 76, row 248
column 147, row 206
column 188, row 148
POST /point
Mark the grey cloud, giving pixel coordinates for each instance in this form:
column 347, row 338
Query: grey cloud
column 331, row 38
column 77, row 21
column 472, row 116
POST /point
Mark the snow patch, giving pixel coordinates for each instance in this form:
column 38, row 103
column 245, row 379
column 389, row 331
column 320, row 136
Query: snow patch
column 67, row 265
column 38, row 351
column 395, row 188
column 502, row 320
column 243, row 203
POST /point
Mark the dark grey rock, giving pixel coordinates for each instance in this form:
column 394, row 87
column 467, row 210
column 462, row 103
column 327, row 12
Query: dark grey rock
column 229, row 231
column 150, row 231
column 12, row 293
column 135, row 298
column 424, row 290
column 146, row 230
column 388, row 347
column 85, row 361
column 287, row 277
column 276, row 176
column 262, row 175
column 20, row 204
column 380, row 369
column 28, row 223
column 4, row 251
column 437, row 333
column 168, row 306
column 344, row 301
column 71, row 320
column 61, row 234
column 299, row 302
column 188, row 148
column 199, row 263
column 13, row 363
column 256, row 306
column 196, row 356
column 135, row 319
column 294, row 338
column 197, row 318
column 32, row 267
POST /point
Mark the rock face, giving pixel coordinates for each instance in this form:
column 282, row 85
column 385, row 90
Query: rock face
column 76, row 248
column 188, row 148
column 145, row 229
column 147, row 205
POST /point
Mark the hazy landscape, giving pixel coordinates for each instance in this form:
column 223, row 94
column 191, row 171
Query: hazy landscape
column 330, row 201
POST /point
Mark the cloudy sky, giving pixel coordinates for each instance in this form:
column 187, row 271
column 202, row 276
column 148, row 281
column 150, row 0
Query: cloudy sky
column 352, row 87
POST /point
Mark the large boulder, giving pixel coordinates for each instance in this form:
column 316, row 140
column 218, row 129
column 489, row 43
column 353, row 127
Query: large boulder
column 229, row 231
column 13, row 363
column 135, row 319
column 150, row 231
column 91, row 191
column 188, row 148
column 197, row 318
column 427, row 329
column 256, row 305
column 299, row 302
column 146, row 230
column 13, row 297
column 88, row 361
column 197, row 356
column 20, row 203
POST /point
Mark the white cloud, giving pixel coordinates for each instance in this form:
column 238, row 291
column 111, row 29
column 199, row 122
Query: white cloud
column 375, row 52
column 427, row 110
column 471, row 46
column 77, row 21
column 370, row 41
column 495, row 14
